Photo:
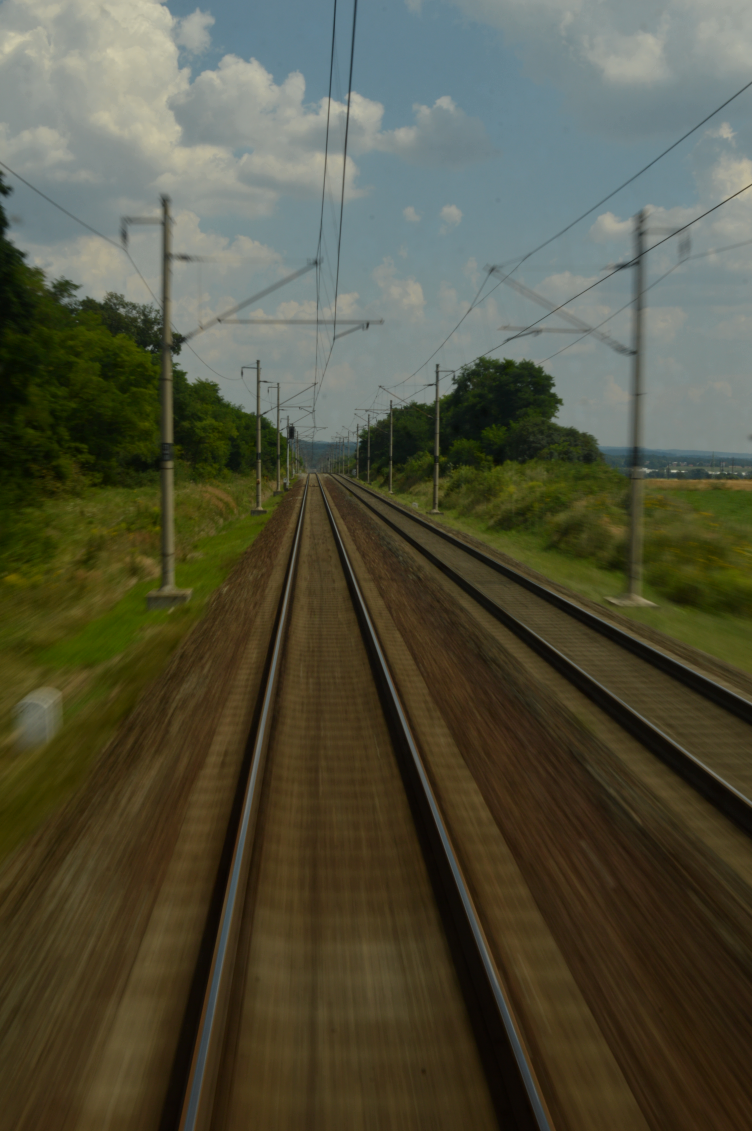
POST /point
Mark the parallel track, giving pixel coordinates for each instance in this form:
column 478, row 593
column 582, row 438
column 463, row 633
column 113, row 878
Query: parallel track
column 711, row 785
column 511, row 1080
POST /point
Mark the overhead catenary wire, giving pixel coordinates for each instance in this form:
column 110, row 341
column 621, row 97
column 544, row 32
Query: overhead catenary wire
column 517, row 262
column 686, row 259
column 119, row 247
column 323, row 187
column 342, row 193
column 622, row 266
column 598, row 282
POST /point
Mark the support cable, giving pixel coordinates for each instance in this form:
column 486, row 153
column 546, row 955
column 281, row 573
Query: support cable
column 514, row 264
column 323, row 187
column 342, row 193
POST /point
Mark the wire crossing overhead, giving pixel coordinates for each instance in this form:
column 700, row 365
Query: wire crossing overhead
column 254, row 298
column 515, row 263
column 565, row 314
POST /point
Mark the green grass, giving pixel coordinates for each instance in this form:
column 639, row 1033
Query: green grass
column 719, row 502
column 720, row 634
column 110, row 634
column 79, row 622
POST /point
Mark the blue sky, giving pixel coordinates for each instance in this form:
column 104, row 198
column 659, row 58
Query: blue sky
column 511, row 118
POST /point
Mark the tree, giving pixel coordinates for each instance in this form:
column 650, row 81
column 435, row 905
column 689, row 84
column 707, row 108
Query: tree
column 468, row 453
column 492, row 393
column 19, row 284
column 535, row 438
column 413, row 432
column 140, row 321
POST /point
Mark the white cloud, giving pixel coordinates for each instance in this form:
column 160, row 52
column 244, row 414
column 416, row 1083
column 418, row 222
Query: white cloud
column 411, row 215
column 414, row 6
column 613, row 394
column 609, row 227
column 193, row 32
column 664, row 322
column 451, row 216
column 449, row 304
column 629, row 59
column 94, row 95
column 443, row 135
column 403, row 296
column 611, row 58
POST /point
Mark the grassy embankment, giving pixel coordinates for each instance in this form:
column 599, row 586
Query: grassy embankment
column 74, row 574
column 569, row 522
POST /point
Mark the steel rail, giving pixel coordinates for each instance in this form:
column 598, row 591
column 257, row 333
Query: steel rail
column 536, row 1115
column 199, row 1094
column 703, row 685
column 715, row 789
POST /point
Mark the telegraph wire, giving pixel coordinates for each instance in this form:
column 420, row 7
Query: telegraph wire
column 622, row 266
column 514, row 264
column 619, row 311
column 323, row 187
column 342, row 194
column 610, row 275
column 687, row 258
column 638, row 174
column 114, row 244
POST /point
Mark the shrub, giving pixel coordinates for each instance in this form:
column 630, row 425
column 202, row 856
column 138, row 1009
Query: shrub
column 691, row 557
column 417, row 468
column 467, row 453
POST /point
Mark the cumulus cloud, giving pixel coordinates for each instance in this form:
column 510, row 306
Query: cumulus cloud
column 664, row 322
column 451, row 217
column 403, row 296
column 443, row 135
column 192, row 32
column 611, row 58
column 411, row 215
column 98, row 97
column 630, row 59
column 609, row 227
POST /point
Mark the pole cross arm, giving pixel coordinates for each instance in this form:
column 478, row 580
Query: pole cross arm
column 126, row 220
column 254, row 298
column 360, row 326
column 571, row 318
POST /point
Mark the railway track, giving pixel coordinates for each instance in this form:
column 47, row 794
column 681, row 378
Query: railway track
column 698, row 727
column 350, row 981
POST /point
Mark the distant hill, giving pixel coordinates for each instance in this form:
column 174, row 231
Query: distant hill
column 315, row 451
column 677, row 453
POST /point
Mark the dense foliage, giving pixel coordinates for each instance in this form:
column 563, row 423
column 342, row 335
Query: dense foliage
column 79, row 390
column 697, row 548
column 496, row 411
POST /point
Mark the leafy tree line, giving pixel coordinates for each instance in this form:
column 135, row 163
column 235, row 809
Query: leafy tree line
column 496, row 411
column 79, row 390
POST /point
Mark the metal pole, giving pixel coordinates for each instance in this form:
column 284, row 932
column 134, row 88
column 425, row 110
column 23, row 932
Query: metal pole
column 634, row 568
column 391, row 444
column 368, row 458
column 279, row 485
column 357, row 451
column 435, row 509
column 258, row 509
column 167, row 595
column 287, row 481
